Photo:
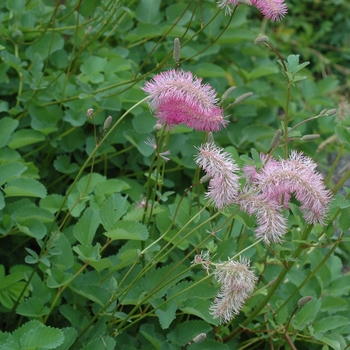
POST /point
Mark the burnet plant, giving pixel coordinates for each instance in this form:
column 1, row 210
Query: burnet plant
column 112, row 264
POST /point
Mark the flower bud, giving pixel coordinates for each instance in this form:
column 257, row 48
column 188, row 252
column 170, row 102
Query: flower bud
column 210, row 137
column 331, row 112
column 241, row 98
column 244, row 2
column 303, row 301
column 227, row 93
column 107, row 123
column 276, row 138
column 204, row 179
column 176, row 53
column 199, row 338
column 323, row 112
column 310, row 137
column 261, row 39
column 157, row 127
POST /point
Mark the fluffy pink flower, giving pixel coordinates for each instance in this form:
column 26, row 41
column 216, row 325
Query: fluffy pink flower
column 221, row 169
column 272, row 224
column 237, row 283
column 295, row 176
column 274, row 10
column 178, row 97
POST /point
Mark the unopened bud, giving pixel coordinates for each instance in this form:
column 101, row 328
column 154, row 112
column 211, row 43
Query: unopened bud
column 199, row 338
column 242, row 98
column 204, row 179
column 227, row 93
column 107, row 123
column 176, row 53
column 276, row 138
column 303, row 301
column 210, row 137
column 310, row 137
column 261, row 39
column 244, row 2
column 90, row 112
column 157, row 127
column 323, row 112
column 331, row 112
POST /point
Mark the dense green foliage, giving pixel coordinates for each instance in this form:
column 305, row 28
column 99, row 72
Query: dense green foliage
column 98, row 233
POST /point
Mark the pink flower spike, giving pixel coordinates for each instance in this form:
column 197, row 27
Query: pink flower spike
column 274, row 10
column 178, row 97
column 220, row 167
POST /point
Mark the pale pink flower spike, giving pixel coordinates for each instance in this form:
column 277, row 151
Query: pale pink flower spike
column 237, row 283
column 220, row 167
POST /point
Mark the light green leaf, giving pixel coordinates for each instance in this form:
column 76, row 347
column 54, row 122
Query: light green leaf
column 148, row 11
column 10, row 170
column 110, row 186
column 306, row 314
column 128, row 230
column 88, row 252
column 329, row 323
column 33, row 307
column 85, row 229
column 113, row 209
column 200, row 308
column 32, row 227
column 63, row 165
column 166, row 313
column 25, row 137
column 209, row 70
column 47, row 45
column 52, row 202
column 25, row 187
column 7, row 127
column 34, row 335
column 343, row 133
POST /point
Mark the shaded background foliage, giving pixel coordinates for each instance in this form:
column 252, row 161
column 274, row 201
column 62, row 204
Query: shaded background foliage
column 59, row 59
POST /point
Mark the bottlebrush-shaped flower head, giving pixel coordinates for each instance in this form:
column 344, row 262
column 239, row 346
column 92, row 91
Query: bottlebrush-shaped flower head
column 237, row 283
column 221, row 169
column 179, row 97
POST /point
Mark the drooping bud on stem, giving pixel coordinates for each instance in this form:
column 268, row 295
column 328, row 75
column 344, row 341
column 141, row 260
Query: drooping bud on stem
column 276, row 138
column 227, row 93
column 261, row 39
column 331, row 112
column 176, row 53
column 303, row 301
column 242, row 98
column 310, row 137
column 107, row 123
column 157, row 127
column 199, row 338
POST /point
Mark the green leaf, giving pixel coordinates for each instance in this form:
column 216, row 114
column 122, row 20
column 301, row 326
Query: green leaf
column 148, row 11
column 343, row 133
column 110, row 186
column 112, row 210
column 25, row 137
column 25, row 187
column 166, row 313
column 88, row 253
column 52, row 202
column 34, row 335
column 147, row 330
column 47, row 45
column 128, row 230
column 10, row 170
column 105, row 343
column 306, row 314
column 63, row 165
column 208, row 70
column 32, row 227
column 85, row 229
column 33, row 307
column 7, row 127
column 186, row 331
column 332, row 304
column 329, row 323
column 200, row 308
